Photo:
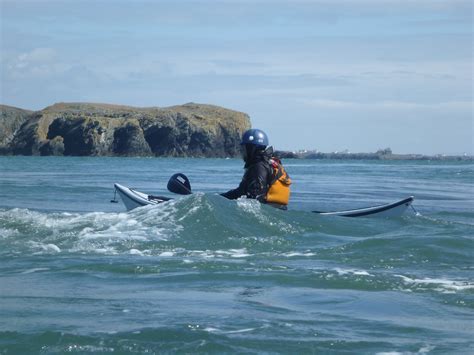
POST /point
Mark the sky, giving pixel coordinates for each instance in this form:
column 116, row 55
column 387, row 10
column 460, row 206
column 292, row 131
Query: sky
column 325, row 75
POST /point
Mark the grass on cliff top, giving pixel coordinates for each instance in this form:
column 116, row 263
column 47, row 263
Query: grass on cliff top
column 206, row 116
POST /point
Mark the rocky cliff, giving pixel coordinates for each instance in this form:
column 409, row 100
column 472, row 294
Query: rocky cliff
column 11, row 119
column 83, row 129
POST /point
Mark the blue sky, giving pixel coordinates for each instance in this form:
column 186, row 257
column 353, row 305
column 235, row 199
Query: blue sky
column 324, row 74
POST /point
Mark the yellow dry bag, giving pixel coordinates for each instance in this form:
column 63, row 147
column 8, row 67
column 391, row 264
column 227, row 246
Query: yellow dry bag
column 279, row 190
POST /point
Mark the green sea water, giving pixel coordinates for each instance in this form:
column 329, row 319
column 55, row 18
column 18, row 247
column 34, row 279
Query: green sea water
column 201, row 274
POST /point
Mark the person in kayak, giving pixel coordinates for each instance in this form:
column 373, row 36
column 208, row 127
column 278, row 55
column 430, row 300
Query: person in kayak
column 264, row 179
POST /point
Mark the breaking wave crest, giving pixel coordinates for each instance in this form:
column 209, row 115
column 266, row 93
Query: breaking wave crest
column 151, row 230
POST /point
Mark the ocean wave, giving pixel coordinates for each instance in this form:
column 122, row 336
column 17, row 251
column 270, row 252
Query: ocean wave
column 196, row 221
column 208, row 226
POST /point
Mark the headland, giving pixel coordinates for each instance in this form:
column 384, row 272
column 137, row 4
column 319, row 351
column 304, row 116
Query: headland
column 189, row 130
column 89, row 129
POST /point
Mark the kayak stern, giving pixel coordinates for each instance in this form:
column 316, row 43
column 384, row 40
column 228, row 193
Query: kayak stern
column 395, row 209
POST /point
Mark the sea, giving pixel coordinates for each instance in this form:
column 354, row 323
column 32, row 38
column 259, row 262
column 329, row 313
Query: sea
column 202, row 274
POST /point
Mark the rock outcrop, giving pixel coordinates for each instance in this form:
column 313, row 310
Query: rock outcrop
column 82, row 129
column 11, row 119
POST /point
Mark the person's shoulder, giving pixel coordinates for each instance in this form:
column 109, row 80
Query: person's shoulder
column 263, row 162
column 264, row 165
column 259, row 164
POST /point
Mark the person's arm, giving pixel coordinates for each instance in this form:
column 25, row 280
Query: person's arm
column 236, row 193
column 257, row 181
column 254, row 184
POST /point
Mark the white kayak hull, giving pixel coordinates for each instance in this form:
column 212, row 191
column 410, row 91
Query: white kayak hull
column 395, row 209
column 132, row 198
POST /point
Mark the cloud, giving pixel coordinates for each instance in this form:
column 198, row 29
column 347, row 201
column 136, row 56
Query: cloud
column 36, row 56
column 39, row 62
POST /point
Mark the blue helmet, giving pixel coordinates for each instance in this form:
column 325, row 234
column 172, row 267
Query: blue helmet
column 255, row 137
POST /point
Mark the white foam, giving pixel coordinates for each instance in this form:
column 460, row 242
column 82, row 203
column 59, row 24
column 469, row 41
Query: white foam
column 445, row 286
column 252, row 207
column 249, row 205
column 352, row 271
column 424, row 350
column 95, row 232
column 8, row 233
column 89, row 349
column 167, row 254
column 103, row 233
column 239, row 253
column 44, row 248
column 291, row 254
column 233, row 253
column 108, row 250
column 131, row 222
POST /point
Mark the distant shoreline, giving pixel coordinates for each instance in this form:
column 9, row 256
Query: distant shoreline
column 288, row 155
column 385, row 154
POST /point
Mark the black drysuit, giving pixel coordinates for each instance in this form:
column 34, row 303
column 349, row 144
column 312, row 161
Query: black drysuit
column 256, row 180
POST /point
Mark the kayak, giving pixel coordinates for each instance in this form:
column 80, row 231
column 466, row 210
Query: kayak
column 394, row 209
column 132, row 198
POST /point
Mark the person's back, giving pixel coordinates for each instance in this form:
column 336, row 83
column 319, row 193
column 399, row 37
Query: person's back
column 261, row 170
